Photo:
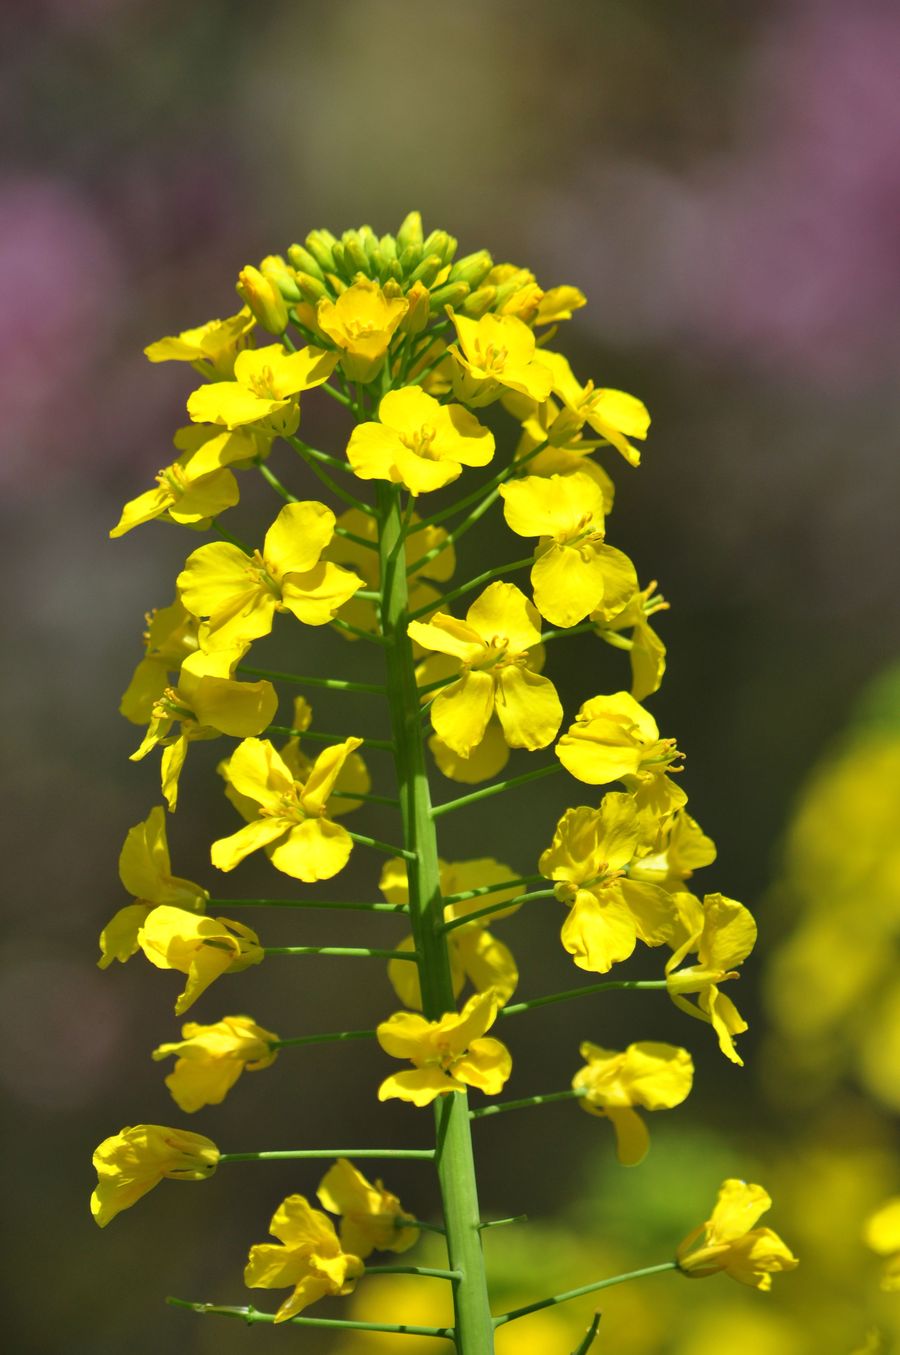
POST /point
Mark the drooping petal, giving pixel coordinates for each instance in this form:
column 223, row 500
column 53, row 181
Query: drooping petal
column 316, row 595
column 316, row 849
column 487, row 1065
column 568, row 582
column 528, row 707
column 632, row 1139
column 598, row 934
column 421, row 1086
column 461, row 711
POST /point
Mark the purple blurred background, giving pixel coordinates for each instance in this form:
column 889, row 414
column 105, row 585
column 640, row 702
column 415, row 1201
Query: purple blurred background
column 722, row 181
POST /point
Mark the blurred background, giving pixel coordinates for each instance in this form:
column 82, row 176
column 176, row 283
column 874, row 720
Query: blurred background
column 723, row 182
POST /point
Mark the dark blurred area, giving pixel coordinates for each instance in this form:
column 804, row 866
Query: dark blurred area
column 723, row 183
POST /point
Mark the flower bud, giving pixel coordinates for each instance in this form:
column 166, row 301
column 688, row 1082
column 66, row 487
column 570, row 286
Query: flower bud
column 281, row 276
column 473, row 269
column 304, row 262
column 410, row 233
column 320, row 244
column 427, row 270
column 264, row 299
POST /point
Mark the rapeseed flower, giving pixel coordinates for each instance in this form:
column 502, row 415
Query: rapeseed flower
column 654, row 1076
column 308, row 1256
column 494, row 354
column 210, row 1059
column 210, row 348
column 132, row 1162
column 183, row 495
column 203, row 948
column 615, row 739
column 418, row 442
column 171, row 635
column 728, row 1240
column 265, row 390
column 361, row 322
column 447, row 1055
column 372, row 1218
column 722, row 933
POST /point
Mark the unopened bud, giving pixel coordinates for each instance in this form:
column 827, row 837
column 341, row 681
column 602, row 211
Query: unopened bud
column 410, row 232
column 304, row 262
column 473, row 269
column 281, row 276
column 264, row 299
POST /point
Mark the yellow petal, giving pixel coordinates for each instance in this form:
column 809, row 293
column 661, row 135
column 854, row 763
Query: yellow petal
column 421, row 1086
column 460, row 712
column 528, row 707
column 632, row 1139
column 316, row 849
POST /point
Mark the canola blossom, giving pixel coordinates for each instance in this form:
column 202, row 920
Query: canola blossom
column 450, row 406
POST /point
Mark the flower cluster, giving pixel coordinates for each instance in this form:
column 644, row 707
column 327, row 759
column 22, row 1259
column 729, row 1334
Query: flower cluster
column 415, row 346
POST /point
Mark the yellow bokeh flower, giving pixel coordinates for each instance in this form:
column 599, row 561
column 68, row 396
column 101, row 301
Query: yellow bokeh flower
column 203, row 948
column 171, row 635
column 722, row 933
column 729, row 1241
column 474, row 953
column 492, row 647
column 210, row 1059
column 303, row 842
column 239, row 594
column 652, row 1075
column 206, row 702
column 308, row 1257
column 882, row 1234
column 211, row 348
column 146, row 872
column 495, row 353
column 265, row 390
column 574, row 570
column 615, row 739
column 418, row 442
column 609, row 912
column 183, row 496
column 447, row 1055
column 372, row 1218
column 362, row 322
column 132, row 1162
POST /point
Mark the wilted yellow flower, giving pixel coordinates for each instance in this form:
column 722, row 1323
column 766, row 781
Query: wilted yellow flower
column 474, row 953
column 181, row 496
column 418, row 442
column 609, row 912
column 137, row 1158
column 211, row 348
column 495, row 353
column 372, row 1218
column 731, row 1243
column 146, row 872
column 203, row 948
column 239, row 594
column 207, row 702
column 882, row 1234
column 574, row 570
column 210, row 1059
column 722, row 933
column 615, row 739
column 309, row 1258
column 293, row 821
column 171, row 635
column 492, row 646
column 655, row 1076
column 265, row 390
column 362, row 323
column 447, row 1055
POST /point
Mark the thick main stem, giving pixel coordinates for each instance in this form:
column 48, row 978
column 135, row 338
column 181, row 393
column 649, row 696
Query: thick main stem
column 473, row 1328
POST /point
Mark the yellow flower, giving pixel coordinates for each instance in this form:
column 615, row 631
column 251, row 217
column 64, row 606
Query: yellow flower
column 679, row 847
column 364, row 562
column 171, row 635
column 615, row 739
column 609, row 912
column 362, row 323
column 646, row 651
column 882, row 1234
column 181, row 496
column 293, row 820
column 265, row 390
column 137, row 1158
column 447, row 1055
column 207, row 703
column 495, row 353
column 208, row 447
column 372, row 1218
column 492, row 645
column 203, row 948
column 210, row 1059
column 211, row 348
column 309, row 1257
column 722, row 933
column 474, row 953
column 264, row 299
column 240, row 593
column 558, row 303
column 146, row 872
column 418, row 442
column 655, row 1076
column 574, row 570
column 353, row 777
column 731, row 1243
column 612, row 414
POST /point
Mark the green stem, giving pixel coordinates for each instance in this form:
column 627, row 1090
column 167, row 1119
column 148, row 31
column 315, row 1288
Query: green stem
column 414, row 1270
column 380, row 846
column 501, row 1223
column 276, row 484
column 455, row 1162
column 303, row 449
column 319, row 737
column 470, row 587
column 297, row 1154
column 328, row 1038
column 582, row 1289
column 589, row 1336
column 331, row 484
column 352, row 952
column 331, row 684
column 611, row 984
column 357, row 540
column 250, row 1315
column 499, row 1107
column 336, row 395
column 564, row 633
column 357, row 631
column 519, row 883
column 365, row 796
column 496, row 789
column 454, row 922
column 308, row 903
